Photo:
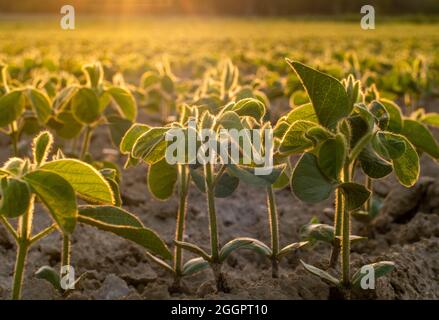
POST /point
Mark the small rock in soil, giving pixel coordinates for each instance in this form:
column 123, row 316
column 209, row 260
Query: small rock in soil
column 113, row 288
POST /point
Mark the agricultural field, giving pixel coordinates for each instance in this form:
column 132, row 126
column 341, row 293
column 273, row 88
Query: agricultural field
column 84, row 180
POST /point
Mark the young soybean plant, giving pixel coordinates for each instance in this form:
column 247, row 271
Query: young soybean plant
column 22, row 110
column 57, row 184
column 82, row 108
column 413, row 127
column 336, row 132
column 148, row 144
column 216, row 178
column 278, row 178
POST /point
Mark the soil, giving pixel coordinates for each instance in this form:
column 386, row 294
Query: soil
column 406, row 232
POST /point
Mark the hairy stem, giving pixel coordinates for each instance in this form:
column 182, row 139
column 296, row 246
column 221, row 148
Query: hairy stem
column 210, row 190
column 181, row 217
column 24, row 234
column 86, row 142
column 339, row 209
column 369, row 187
column 14, row 138
column 346, row 230
column 66, row 246
column 274, row 230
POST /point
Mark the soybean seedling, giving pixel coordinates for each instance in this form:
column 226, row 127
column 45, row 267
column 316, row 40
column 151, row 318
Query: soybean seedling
column 148, row 144
column 337, row 131
column 277, row 175
column 82, row 108
column 22, row 109
column 57, row 184
column 216, row 176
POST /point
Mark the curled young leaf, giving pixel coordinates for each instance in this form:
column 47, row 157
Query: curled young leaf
column 244, row 243
column 321, row 274
column 41, row 147
column 125, row 102
column 194, row 266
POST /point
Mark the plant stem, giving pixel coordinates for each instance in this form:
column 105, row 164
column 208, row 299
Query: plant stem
column 65, row 256
column 274, row 231
column 210, row 190
column 24, row 232
column 86, row 142
column 19, row 270
column 346, row 230
column 181, row 218
column 14, row 138
column 339, row 209
column 368, row 186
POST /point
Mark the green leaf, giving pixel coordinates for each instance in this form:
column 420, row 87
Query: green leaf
column 291, row 247
column 64, row 97
column 388, row 145
column 118, row 127
column 431, row 119
column 419, row 135
column 131, row 136
column 162, row 178
column 147, row 142
column 41, row 147
column 94, row 73
column 226, row 185
column 244, row 243
column 332, row 156
column 250, row 107
column 380, row 268
column 327, row 94
column 194, row 265
column 40, row 104
column 193, row 248
column 304, row 113
column 11, row 107
column 70, row 128
column 84, row 179
column 110, row 215
column 294, row 140
column 321, row 274
column 372, row 165
column 308, row 183
column 317, row 232
column 356, row 195
column 380, row 113
column 15, row 197
column 250, row 175
column 85, row 106
column 395, row 115
column 125, row 101
column 57, row 195
column 125, row 225
column 407, row 166
column 50, row 275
